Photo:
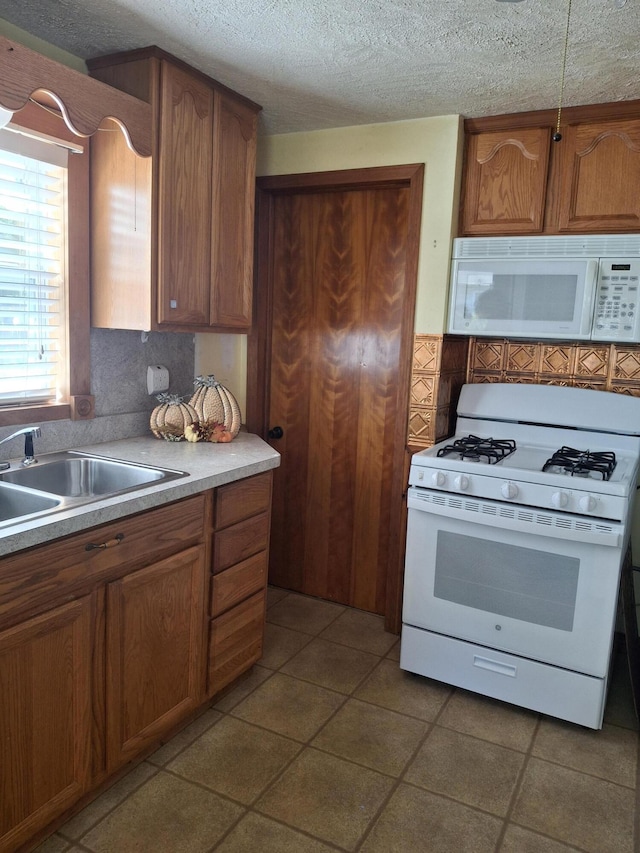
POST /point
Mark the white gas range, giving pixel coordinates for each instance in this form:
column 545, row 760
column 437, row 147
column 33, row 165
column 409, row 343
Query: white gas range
column 518, row 526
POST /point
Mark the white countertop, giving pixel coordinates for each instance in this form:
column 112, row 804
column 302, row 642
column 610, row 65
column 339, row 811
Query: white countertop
column 207, row 465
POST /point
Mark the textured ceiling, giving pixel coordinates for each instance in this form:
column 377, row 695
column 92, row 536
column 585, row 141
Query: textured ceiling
column 328, row 63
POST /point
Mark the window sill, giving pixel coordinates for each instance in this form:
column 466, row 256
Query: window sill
column 79, row 408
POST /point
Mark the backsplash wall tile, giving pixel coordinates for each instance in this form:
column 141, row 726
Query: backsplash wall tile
column 119, row 361
column 443, row 363
column 438, row 373
column 603, row 367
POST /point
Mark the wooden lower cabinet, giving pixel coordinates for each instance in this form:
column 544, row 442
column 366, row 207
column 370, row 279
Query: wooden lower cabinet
column 112, row 637
column 236, row 641
column 155, row 652
column 45, row 719
column 239, row 564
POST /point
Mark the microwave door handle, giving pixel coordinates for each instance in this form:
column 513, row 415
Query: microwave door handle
column 591, row 283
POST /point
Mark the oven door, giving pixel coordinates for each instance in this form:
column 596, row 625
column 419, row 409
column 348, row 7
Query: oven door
column 531, row 583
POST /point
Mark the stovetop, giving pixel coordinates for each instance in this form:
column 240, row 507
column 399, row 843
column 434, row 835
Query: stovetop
column 529, row 424
column 526, row 463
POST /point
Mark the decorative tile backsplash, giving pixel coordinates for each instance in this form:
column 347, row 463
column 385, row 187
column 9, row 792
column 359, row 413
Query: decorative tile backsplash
column 443, row 363
column 439, row 370
column 605, row 367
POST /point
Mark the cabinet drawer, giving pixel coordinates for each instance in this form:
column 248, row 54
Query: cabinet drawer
column 235, row 642
column 240, row 541
column 232, row 586
column 32, row 581
column 242, row 499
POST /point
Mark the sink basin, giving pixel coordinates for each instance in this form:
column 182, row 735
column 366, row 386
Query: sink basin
column 16, row 503
column 79, row 475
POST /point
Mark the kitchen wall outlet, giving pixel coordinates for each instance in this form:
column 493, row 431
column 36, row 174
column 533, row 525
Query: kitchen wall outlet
column 157, row 379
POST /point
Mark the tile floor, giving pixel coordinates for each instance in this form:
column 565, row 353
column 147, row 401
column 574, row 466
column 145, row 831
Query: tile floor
column 327, row 745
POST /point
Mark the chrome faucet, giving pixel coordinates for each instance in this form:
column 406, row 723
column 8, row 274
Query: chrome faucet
column 29, row 434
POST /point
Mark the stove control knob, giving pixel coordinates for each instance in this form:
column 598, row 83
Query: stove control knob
column 509, row 490
column 461, row 483
column 588, row 503
column 559, row 499
column 439, row 479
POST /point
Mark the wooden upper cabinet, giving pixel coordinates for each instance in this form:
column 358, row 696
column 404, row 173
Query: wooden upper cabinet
column 185, row 157
column 505, row 181
column 234, row 170
column 173, row 241
column 600, row 177
column 517, row 181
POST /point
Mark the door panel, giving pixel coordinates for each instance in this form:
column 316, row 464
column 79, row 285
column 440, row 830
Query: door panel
column 339, row 315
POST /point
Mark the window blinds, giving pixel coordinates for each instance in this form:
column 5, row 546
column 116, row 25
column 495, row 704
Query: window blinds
column 32, row 270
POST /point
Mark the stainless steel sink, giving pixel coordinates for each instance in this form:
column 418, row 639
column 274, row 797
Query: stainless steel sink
column 75, row 475
column 17, row 503
column 71, row 478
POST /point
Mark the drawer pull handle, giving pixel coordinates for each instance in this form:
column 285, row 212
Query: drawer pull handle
column 495, row 666
column 102, row 546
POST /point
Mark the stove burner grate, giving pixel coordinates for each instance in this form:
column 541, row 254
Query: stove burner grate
column 582, row 462
column 489, row 450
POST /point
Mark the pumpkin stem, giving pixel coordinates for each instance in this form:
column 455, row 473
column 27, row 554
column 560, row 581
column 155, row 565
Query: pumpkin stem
column 170, row 399
column 206, row 381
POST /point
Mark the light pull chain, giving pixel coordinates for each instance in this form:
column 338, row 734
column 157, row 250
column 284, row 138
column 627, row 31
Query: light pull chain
column 557, row 136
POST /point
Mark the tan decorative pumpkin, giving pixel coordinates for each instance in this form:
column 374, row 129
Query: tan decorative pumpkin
column 215, row 403
column 169, row 419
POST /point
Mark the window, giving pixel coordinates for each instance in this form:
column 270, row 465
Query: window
column 33, row 270
column 44, row 271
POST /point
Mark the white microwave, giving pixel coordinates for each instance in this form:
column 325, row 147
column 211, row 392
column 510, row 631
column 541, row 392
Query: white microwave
column 568, row 288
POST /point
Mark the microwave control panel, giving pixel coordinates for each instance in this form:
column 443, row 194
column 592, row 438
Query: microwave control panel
column 617, row 311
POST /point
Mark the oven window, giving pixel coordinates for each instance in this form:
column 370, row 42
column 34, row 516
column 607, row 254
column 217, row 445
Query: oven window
column 522, row 583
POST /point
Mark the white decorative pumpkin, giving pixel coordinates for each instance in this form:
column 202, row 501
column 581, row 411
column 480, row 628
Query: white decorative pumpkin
column 169, row 419
column 215, row 403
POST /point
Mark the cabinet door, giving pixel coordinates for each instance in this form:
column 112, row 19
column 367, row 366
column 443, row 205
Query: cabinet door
column 234, row 174
column 600, row 177
column 505, row 181
column 45, row 719
column 156, row 633
column 184, row 198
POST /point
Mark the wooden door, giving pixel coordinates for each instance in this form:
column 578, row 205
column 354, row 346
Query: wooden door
column 45, row 719
column 155, row 664
column 340, row 266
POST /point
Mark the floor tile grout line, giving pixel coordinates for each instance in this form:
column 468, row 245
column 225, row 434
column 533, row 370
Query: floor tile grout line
column 74, row 841
column 517, row 788
column 251, row 811
column 400, row 780
column 588, row 773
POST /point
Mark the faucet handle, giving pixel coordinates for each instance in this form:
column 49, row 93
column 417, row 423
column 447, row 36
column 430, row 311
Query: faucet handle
column 29, row 454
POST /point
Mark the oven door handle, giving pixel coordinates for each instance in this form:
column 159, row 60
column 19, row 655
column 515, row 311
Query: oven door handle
column 495, row 666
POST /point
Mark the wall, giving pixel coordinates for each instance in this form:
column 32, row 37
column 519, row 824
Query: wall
column 33, row 43
column 119, row 363
column 437, row 142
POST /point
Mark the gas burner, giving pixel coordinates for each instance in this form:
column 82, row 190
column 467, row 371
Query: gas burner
column 582, row 462
column 489, row 450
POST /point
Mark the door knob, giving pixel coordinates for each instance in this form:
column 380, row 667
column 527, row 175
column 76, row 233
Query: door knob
column 276, row 432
